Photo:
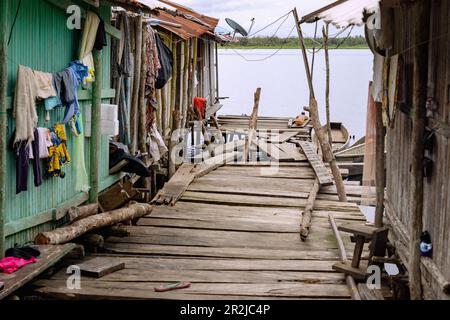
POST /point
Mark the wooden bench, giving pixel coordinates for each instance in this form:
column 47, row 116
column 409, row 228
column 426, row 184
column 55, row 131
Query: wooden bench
column 378, row 238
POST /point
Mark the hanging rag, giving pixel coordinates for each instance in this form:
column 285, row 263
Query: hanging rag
column 59, row 155
column 81, row 179
column 166, row 60
column 43, row 137
column 22, row 150
column 100, row 38
column 25, row 104
column 12, row 264
column 156, row 145
column 153, row 66
column 200, row 105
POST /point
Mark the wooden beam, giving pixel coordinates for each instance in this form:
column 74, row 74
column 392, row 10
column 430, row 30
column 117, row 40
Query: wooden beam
column 316, row 163
column 3, row 117
column 421, row 27
column 380, row 166
column 95, row 140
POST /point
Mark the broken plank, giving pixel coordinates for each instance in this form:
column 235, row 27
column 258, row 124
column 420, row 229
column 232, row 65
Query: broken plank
column 98, row 267
column 319, row 168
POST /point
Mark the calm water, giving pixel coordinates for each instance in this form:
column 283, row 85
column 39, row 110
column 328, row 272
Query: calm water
column 285, row 89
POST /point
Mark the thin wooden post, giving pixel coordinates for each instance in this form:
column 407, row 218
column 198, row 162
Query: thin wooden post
column 253, row 124
column 136, row 84
column 380, row 166
column 96, row 127
column 327, row 87
column 421, row 27
column 323, row 140
column 3, row 118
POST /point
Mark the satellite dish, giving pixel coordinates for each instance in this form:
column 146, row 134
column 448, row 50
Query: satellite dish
column 237, row 28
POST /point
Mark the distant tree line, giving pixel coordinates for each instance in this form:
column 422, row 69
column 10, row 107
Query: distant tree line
column 276, row 42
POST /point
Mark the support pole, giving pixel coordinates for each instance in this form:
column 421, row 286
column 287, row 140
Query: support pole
column 96, row 128
column 327, row 87
column 323, row 140
column 253, row 124
column 3, row 118
column 380, row 169
column 421, row 27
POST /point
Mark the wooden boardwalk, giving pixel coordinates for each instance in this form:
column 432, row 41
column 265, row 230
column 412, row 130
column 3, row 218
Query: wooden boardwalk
column 235, row 235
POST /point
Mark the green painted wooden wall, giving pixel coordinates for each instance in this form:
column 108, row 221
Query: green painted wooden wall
column 41, row 41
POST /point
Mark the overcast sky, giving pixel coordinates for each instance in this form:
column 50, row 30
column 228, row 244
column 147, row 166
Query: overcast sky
column 264, row 12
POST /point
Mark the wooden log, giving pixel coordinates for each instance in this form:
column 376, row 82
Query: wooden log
column 136, row 83
column 253, row 124
column 343, row 254
column 380, row 166
column 68, row 233
column 307, row 213
column 421, row 27
column 78, row 213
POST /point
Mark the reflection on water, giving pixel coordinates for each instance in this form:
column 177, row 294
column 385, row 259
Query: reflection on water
column 285, row 89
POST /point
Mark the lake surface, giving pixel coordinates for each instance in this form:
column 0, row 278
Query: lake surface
column 285, row 88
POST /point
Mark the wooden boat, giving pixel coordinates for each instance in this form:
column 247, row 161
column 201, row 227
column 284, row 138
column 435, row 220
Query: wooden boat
column 339, row 135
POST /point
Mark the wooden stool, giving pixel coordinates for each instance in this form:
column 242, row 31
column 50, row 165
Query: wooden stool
column 378, row 242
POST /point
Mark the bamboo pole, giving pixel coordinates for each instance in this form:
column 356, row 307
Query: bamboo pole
column 159, row 111
column 307, row 213
column 187, row 59
column 323, row 140
column 174, row 104
column 421, row 27
column 3, row 118
column 181, row 82
column 327, row 87
column 95, row 127
column 342, row 253
column 142, row 106
column 380, row 166
column 136, row 84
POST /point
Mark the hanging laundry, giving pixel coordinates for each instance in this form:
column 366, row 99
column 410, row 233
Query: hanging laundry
column 12, row 264
column 59, row 155
column 66, row 84
column 44, row 139
column 100, row 38
column 88, row 40
column 30, row 86
column 153, row 66
column 22, row 150
column 156, row 145
column 200, row 105
column 166, row 60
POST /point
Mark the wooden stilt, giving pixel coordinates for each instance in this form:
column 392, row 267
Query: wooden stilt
column 421, row 29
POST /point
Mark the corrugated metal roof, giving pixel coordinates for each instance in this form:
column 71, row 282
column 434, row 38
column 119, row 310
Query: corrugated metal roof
column 211, row 21
column 133, row 5
column 189, row 29
column 344, row 12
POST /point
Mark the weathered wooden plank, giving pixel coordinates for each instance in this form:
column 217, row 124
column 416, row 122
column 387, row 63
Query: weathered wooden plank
column 174, row 189
column 145, row 290
column 284, row 137
column 200, row 251
column 317, row 164
column 98, row 267
column 215, row 276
